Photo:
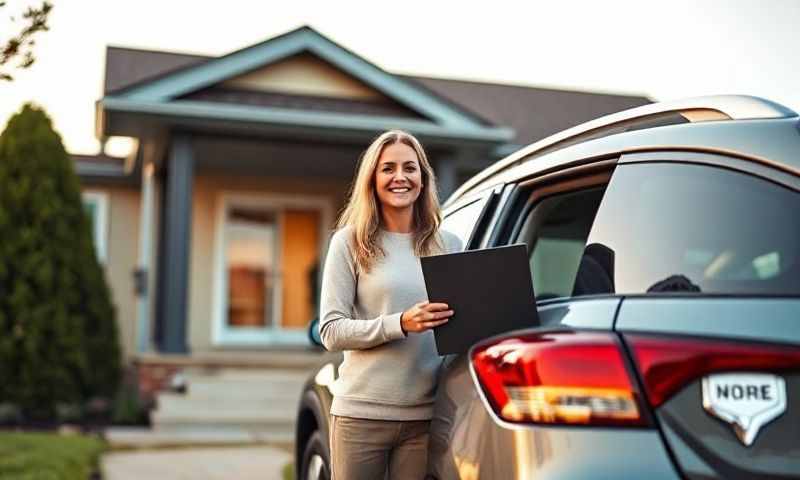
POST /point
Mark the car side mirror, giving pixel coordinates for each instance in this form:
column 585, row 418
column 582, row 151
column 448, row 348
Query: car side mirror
column 313, row 333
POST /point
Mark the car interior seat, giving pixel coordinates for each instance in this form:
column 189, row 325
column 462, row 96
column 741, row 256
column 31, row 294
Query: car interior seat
column 596, row 271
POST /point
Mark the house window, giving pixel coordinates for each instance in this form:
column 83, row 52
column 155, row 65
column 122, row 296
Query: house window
column 252, row 267
column 96, row 206
column 267, row 268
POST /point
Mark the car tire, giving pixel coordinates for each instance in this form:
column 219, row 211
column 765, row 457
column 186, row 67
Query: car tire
column 316, row 464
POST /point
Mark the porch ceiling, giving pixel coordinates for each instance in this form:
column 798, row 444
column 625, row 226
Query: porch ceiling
column 256, row 157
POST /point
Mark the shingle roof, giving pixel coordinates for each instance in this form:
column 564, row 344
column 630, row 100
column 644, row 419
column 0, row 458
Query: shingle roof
column 126, row 66
column 534, row 113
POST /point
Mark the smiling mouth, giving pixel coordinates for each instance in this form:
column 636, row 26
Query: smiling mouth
column 400, row 190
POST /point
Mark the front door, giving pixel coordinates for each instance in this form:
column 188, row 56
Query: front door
column 267, row 269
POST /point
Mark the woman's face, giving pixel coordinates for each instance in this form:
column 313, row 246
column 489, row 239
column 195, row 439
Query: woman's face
column 398, row 178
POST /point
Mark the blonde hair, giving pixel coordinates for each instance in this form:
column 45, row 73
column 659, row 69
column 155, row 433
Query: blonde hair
column 362, row 211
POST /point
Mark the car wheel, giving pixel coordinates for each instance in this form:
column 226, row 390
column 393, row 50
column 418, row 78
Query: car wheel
column 316, row 465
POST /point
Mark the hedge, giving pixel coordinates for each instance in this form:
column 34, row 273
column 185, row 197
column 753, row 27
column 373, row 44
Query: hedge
column 58, row 335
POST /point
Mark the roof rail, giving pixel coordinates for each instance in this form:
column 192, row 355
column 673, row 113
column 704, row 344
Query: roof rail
column 697, row 109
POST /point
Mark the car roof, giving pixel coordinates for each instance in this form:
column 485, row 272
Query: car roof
column 743, row 126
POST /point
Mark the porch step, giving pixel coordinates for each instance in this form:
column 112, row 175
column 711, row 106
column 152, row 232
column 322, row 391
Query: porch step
column 126, row 438
column 270, row 404
column 286, row 360
column 205, row 419
column 259, row 401
column 274, row 379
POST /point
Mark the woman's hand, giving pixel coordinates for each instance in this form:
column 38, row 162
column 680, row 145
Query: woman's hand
column 424, row 316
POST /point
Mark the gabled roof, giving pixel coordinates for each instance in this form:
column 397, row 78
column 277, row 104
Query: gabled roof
column 532, row 112
column 156, row 89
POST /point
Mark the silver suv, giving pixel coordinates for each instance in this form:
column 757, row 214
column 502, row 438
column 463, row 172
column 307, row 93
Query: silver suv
column 664, row 247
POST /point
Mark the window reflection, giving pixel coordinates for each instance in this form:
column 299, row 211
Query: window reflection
column 691, row 228
column 250, row 243
column 462, row 222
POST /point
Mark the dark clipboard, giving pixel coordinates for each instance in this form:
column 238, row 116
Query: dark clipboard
column 490, row 291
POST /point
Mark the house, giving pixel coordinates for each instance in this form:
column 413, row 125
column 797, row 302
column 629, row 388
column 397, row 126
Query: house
column 213, row 229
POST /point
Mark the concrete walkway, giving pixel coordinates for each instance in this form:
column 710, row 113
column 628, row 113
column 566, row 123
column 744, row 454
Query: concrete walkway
column 242, row 463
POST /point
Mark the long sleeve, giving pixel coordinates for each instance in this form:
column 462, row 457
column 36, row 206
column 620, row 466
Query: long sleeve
column 339, row 330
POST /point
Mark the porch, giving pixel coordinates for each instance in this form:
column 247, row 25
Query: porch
column 238, row 229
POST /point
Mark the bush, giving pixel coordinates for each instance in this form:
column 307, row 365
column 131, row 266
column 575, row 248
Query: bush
column 34, row 456
column 58, row 333
column 128, row 408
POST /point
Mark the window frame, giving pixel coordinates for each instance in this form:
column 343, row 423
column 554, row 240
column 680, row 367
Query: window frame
column 99, row 223
column 523, row 195
column 505, row 228
column 538, row 193
column 223, row 335
column 759, row 168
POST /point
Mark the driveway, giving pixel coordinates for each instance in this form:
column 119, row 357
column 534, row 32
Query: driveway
column 242, row 463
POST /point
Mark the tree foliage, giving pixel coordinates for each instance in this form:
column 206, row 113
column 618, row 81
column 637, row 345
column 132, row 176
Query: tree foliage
column 20, row 46
column 58, row 334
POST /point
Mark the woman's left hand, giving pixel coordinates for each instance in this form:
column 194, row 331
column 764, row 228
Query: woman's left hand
column 424, row 316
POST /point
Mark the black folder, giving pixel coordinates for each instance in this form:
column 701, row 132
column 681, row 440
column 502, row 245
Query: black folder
column 489, row 290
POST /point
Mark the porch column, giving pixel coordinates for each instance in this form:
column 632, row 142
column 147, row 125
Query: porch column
column 177, row 224
column 142, row 274
column 446, row 176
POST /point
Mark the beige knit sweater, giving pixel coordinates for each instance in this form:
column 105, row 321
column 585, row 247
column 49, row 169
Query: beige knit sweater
column 385, row 374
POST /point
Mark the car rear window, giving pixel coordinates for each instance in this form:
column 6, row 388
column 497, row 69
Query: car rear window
column 683, row 228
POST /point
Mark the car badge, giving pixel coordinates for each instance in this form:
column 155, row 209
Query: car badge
column 747, row 401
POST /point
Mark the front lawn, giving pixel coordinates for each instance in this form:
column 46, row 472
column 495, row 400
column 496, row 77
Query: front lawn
column 45, row 456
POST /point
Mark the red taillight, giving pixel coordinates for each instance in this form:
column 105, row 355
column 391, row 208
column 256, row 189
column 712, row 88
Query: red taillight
column 558, row 378
column 667, row 364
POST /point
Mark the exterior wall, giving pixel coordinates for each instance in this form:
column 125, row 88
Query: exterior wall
column 122, row 247
column 206, row 198
column 304, row 75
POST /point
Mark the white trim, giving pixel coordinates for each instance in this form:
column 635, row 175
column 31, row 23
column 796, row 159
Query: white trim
column 272, row 335
column 100, row 222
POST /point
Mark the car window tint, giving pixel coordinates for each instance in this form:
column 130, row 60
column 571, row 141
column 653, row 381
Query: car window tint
column 671, row 227
column 462, row 222
column 555, row 231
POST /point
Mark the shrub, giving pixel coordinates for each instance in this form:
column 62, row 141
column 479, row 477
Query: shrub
column 58, row 334
column 128, row 407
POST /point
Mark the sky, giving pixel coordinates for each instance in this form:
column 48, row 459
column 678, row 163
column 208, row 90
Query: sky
column 661, row 49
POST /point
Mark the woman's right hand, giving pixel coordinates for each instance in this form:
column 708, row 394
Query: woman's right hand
column 425, row 316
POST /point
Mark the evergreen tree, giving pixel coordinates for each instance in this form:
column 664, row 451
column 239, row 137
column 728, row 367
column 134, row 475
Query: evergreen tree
column 58, row 334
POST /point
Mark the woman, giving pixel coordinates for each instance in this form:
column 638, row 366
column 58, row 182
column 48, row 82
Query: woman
column 374, row 308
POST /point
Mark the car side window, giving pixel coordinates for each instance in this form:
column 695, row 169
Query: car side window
column 555, row 228
column 677, row 227
column 462, row 221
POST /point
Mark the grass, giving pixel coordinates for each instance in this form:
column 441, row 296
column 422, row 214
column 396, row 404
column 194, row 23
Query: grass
column 288, row 471
column 46, row 456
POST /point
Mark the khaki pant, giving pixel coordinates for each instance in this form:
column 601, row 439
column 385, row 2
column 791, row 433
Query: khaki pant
column 366, row 449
